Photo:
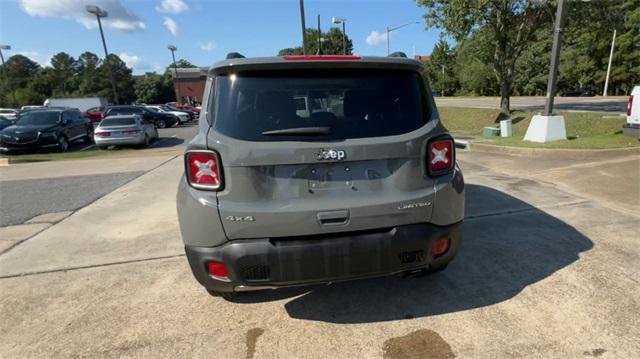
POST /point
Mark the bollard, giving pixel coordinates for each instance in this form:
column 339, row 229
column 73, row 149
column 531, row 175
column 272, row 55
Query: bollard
column 505, row 128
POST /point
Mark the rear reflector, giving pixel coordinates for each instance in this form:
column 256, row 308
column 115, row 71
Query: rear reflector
column 203, row 170
column 218, row 270
column 440, row 156
column 629, row 105
column 441, row 247
column 322, row 57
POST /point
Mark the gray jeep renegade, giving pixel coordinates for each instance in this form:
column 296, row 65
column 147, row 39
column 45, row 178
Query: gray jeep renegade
column 316, row 169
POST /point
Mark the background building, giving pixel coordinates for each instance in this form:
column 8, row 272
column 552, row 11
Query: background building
column 189, row 83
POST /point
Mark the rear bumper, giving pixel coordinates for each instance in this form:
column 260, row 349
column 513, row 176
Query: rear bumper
column 107, row 141
column 280, row 262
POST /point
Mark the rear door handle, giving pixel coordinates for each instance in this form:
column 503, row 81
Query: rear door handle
column 333, row 218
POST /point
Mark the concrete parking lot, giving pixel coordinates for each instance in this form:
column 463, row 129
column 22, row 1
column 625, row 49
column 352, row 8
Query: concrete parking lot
column 549, row 268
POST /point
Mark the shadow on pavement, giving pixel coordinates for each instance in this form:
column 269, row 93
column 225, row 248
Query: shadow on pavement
column 507, row 245
column 164, row 142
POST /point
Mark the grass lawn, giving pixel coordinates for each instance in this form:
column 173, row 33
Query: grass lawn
column 585, row 130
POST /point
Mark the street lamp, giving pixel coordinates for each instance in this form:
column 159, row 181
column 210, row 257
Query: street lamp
column 337, row 20
column 389, row 29
column 173, row 49
column 7, row 47
column 3, row 47
column 99, row 13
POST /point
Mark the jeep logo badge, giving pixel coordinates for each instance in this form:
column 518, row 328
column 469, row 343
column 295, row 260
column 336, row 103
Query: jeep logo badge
column 330, row 154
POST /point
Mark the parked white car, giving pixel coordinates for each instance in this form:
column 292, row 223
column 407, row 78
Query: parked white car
column 182, row 116
column 632, row 127
column 9, row 113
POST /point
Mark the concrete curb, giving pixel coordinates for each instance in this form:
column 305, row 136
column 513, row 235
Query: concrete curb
column 558, row 153
column 4, row 162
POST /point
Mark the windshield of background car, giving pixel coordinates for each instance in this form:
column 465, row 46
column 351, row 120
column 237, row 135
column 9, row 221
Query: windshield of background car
column 350, row 103
column 124, row 121
column 38, row 118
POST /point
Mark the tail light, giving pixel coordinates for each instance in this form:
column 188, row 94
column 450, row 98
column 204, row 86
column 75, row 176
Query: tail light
column 132, row 132
column 218, row 270
column 440, row 247
column 102, row 134
column 203, row 170
column 440, row 156
column 629, row 105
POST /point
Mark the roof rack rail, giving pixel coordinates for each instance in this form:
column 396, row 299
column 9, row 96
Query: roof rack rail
column 235, row 55
column 398, row 54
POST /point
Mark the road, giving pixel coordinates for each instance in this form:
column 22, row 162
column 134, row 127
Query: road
column 606, row 104
column 549, row 267
column 29, row 190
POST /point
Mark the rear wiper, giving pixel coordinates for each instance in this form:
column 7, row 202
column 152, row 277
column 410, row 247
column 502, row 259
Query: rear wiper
column 304, row 131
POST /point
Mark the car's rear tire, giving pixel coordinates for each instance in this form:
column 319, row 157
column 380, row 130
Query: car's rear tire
column 147, row 141
column 161, row 124
column 63, row 144
column 225, row 295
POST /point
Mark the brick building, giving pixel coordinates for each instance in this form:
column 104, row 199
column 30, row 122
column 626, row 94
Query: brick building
column 189, row 84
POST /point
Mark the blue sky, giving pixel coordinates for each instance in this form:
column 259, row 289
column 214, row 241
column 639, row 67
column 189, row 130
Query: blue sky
column 205, row 30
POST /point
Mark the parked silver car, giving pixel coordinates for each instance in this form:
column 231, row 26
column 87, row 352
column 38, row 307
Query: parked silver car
column 124, row 130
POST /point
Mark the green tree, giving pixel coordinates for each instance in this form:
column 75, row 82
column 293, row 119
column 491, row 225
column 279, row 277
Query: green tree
column 123, row 78
column 331, row 43
column 154, row 88
column 16, row 73
column 474, row 75
column 510, row 25
column 441, row 69
column 65, row 68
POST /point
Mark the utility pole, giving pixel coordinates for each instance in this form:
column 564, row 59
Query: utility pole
column 389, row 29
column 304, row 30
column 606, row 82
column 561, row 14
column 388, row 32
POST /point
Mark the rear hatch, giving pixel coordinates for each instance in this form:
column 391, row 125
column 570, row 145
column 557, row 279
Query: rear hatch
column 321, row 151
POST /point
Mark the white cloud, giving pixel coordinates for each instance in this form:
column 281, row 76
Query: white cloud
column 376, row 38
column 119, row 17
column 209, row 46
column 131, row 60
column 172, row 6
column 43, row 60
column 171, row 25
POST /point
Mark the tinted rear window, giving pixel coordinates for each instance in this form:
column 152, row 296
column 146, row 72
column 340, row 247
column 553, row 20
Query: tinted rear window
column 118, row 122
column 352, row 104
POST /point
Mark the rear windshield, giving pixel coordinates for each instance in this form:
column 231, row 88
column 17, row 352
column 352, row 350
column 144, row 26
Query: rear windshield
column 319, row 105
column 124, row 121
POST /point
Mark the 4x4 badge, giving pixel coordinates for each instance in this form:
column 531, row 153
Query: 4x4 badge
column 330, row 154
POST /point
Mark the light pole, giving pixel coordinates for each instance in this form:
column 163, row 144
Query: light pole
column 606, row 82
column 173, row 49
column 304, row 30
column 99, row 13
column 3, row 47
column 7, row 47
column 338, row 20
column 561, row 14
column 389, row 29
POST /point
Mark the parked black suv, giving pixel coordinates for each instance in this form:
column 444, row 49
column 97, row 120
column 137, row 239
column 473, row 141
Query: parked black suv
column 46, row 128
column 160, row 119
